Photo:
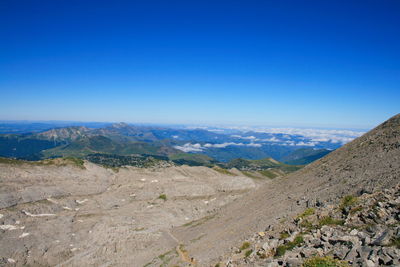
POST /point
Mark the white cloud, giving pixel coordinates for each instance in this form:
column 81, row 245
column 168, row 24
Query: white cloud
column 190, row 147
column 306, row 143
column 272, row 139
column 244, row 137
column 232, row 144
column 316, row 135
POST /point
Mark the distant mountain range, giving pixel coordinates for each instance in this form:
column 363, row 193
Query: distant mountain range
column 209, row 146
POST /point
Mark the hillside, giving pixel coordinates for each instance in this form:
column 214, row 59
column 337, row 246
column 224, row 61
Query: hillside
column 304, row 156
column 368, row 163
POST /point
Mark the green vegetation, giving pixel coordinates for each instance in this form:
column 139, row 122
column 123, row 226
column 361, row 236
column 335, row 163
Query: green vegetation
column 192, row 159
column 250, row 175
column 330, row 221
column 267, row 167
column 304, row 156
column 115, row 161
column 245, row 245
column 223, row 171
column 248, row 253
column 57, row 162
column 166, row 257
column 347, row 201
column 306, row 213
column 281, row 250
column 78, row 162
column 284, row 235
column 163, row 197
column 395, row 242
column 308, row 225
column 355, row 209
column 324, row 262
column 269, row 173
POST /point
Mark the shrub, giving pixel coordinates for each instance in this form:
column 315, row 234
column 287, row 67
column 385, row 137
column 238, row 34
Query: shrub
column 324, row 262
column 280, row 250
column 163, row 197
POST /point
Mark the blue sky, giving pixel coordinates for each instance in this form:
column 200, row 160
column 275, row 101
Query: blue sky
column 299, row 63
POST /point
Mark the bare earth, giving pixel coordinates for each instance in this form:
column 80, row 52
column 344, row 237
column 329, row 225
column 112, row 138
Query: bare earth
column 69, row 216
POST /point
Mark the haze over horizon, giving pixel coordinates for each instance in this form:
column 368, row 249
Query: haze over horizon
column 310, row 64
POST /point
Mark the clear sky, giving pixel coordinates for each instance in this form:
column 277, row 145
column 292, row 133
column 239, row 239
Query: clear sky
column 311, row 63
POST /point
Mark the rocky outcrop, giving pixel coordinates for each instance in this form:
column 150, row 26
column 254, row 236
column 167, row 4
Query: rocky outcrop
column 359, row 231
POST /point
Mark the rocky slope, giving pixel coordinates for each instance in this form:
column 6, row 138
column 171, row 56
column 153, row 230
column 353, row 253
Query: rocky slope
column 369, row 163
column 360, row 231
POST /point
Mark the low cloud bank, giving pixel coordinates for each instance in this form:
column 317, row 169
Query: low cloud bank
column 188, row 147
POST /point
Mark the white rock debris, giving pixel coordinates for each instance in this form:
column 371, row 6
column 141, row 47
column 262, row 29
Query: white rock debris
column 38, row 215
column 24, row 235
column 81, row 201
column 8, row 227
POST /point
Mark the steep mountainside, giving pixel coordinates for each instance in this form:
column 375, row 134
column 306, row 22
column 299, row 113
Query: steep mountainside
column 368, row 163
column 305, row 156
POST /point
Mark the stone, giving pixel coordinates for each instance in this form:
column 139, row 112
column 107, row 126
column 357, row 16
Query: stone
column 293, row 262
column 382, row 239
column 354, row 232
column 370, row 263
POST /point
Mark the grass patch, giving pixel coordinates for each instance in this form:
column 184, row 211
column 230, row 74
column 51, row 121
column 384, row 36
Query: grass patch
column 245, row 245
column 347, row 201
column 330, row 221
column 395, row 242
column 163, row 197
column 223, row 171
column 269, row 174
column 355, row 209
column 57, row 162
column 306, row 213
column 324, row 262
column 307, row 224
column 166, row 258
column 281, row 250
column 248, row 253
column 284, row 235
